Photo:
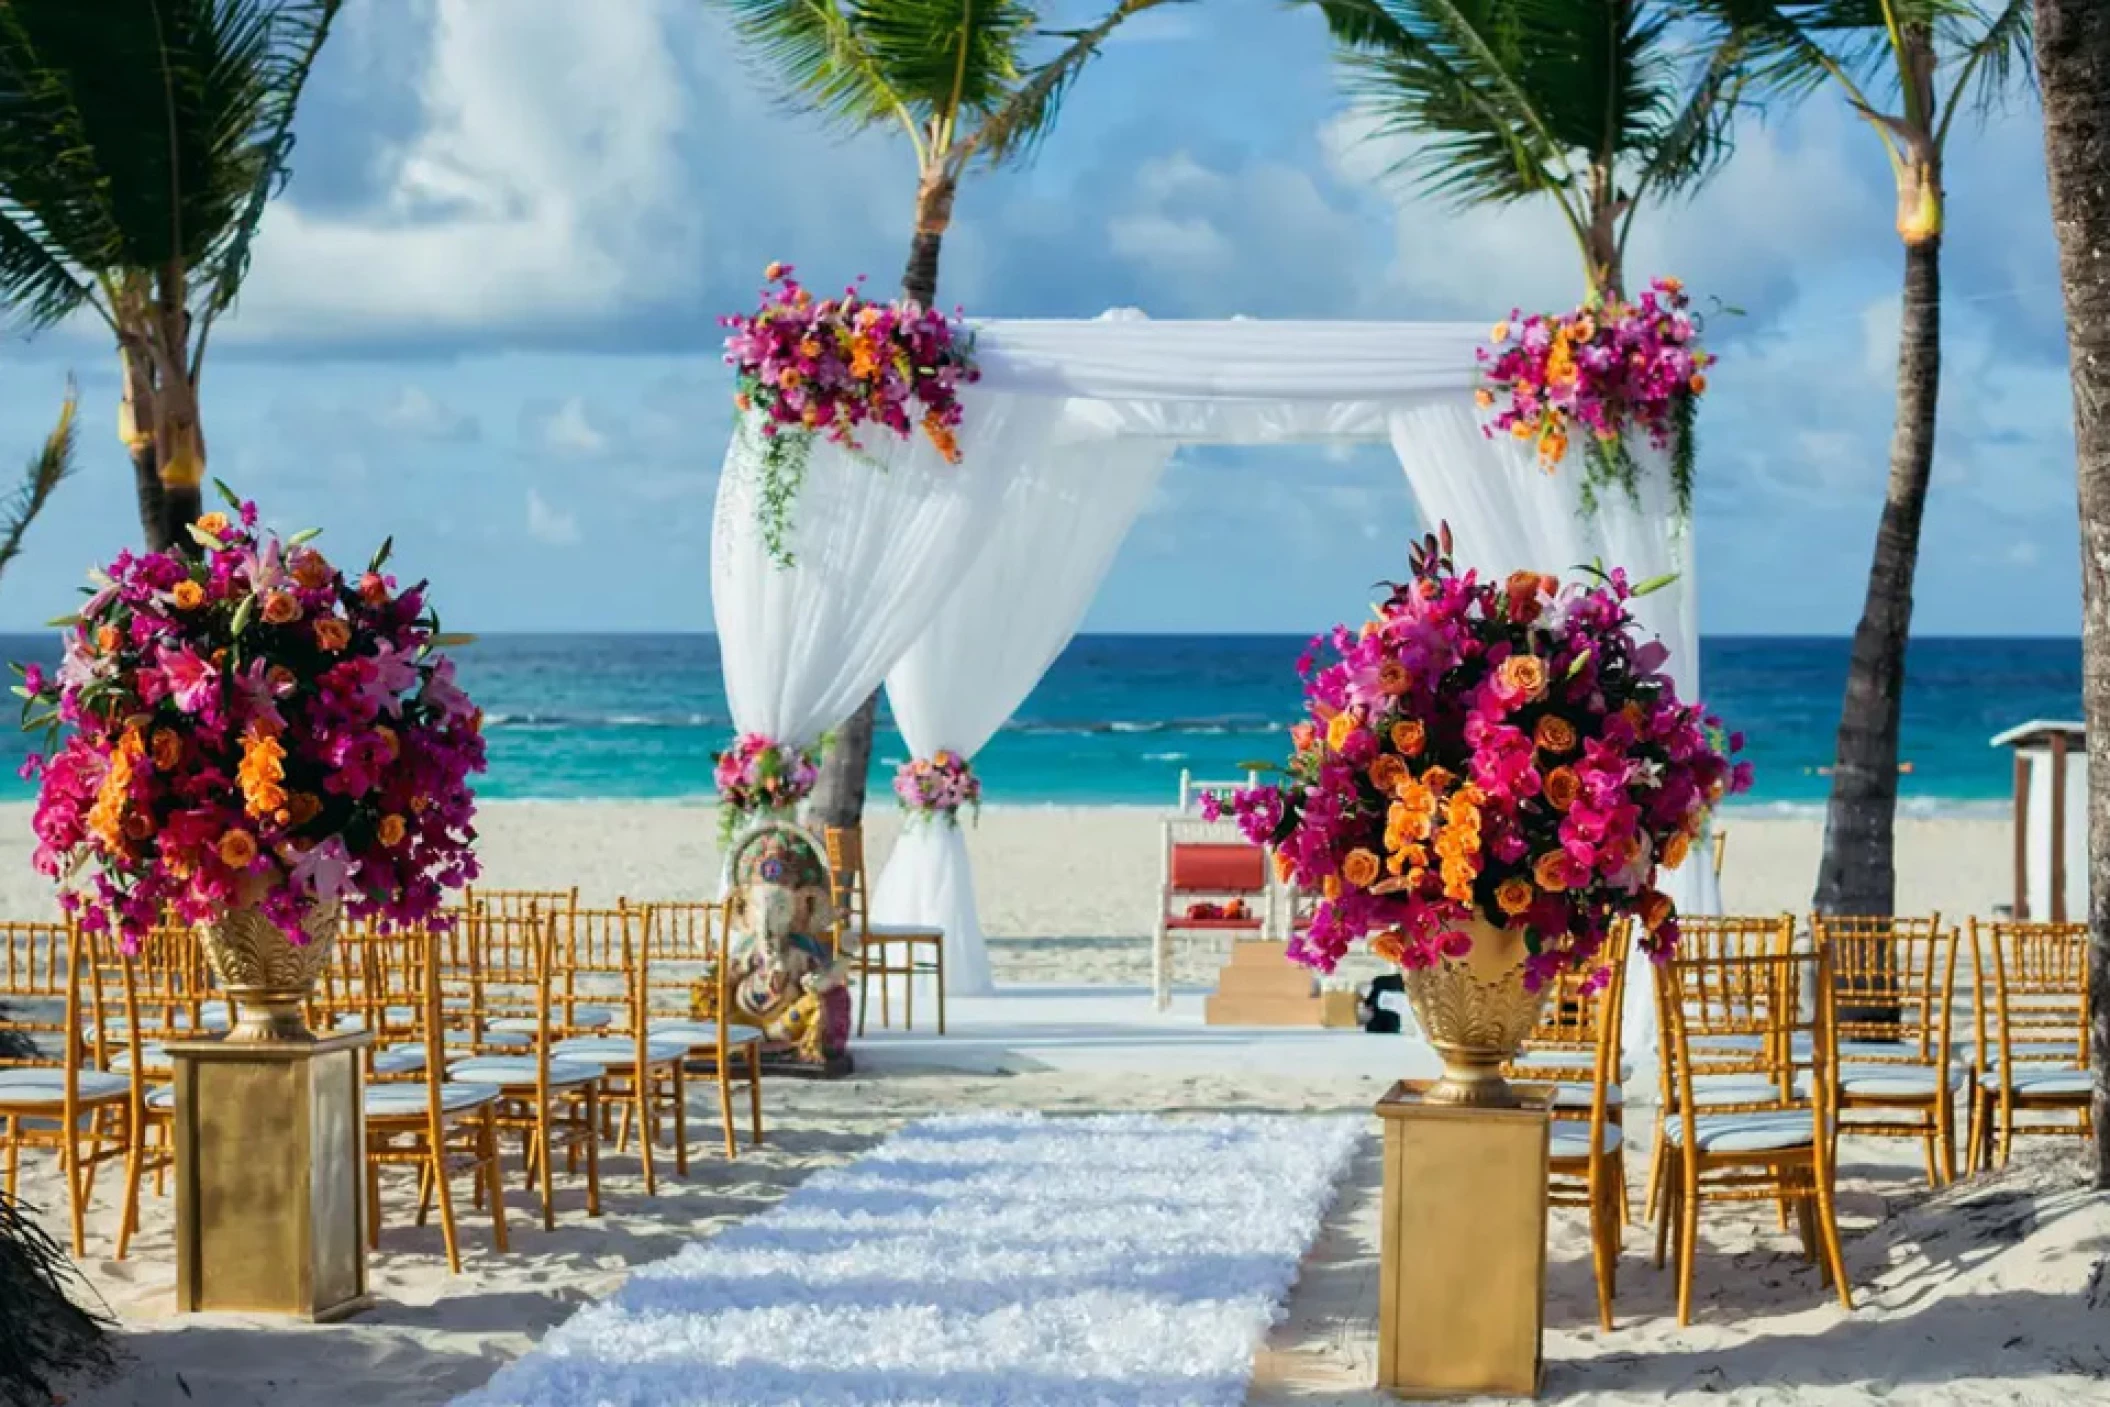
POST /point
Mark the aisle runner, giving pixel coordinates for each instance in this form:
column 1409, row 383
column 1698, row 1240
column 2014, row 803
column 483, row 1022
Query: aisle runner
column 967, row 1262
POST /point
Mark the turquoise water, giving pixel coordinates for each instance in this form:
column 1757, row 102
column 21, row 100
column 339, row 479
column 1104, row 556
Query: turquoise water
column 1118, row 716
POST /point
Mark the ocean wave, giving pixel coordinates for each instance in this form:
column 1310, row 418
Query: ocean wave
column 1081, row 728
column 1911, row 808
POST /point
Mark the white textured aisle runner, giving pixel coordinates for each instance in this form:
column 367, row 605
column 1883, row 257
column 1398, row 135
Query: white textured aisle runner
column 1126, row 1260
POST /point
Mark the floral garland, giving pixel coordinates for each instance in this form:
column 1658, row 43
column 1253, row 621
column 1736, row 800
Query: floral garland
column 251, row 719
column 1508, row 751
column 805, row 368
column 934, row 788
column 1605, row 368
column 757, row 774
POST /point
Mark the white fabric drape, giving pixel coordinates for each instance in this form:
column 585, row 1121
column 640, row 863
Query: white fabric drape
column 1064, row 516
column 1507, row 514
column 875, row 545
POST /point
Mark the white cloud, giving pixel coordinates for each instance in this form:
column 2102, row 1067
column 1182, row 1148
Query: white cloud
column 569, row 432
column 415, row 412
column 549, row 525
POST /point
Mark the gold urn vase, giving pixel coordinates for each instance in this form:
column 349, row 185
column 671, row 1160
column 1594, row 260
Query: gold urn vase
column 1476, row 1011
column 266, row 976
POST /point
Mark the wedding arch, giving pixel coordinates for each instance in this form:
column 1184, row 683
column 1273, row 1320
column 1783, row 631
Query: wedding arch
column 957, row 584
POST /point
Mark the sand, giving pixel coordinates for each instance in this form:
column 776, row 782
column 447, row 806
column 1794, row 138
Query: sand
column 1993, row 1292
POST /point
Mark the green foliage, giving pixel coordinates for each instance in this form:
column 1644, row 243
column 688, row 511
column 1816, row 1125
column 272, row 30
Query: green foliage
column 48, row 1337
column 50, row 467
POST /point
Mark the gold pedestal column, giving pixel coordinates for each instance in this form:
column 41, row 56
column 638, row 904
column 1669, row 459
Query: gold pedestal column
column 1462, row 1278
column 270, row 1172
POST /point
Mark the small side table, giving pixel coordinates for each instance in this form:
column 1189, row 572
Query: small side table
column 1462, row 1278
column 270, row 1176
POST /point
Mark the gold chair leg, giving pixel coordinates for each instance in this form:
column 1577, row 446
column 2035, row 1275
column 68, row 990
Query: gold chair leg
column 1688, row 1239
column 1828, row 1231
column 593, row 1149
column 373, row 1205
column 681, row 1121
column 1604, row 1231
column 754, row 1086
column 1656, row 1147
column 128, row 1221
column 640, row 1093
column 941, row 986
column 435, row 1173
column 864, row 986
column 724, row 1073
column 548, row 1179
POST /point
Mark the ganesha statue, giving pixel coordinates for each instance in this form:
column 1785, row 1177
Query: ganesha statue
column 784, row 973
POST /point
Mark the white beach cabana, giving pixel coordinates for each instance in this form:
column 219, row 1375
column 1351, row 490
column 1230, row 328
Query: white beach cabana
column 957, row 585
column 2051, row 820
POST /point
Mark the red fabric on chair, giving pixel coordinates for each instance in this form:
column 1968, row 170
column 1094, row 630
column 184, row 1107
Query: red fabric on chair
column 1244, row 924
column 1219, row 869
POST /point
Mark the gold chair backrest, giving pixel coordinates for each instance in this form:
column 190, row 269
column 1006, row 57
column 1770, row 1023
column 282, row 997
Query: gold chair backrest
column 2039, row 986
column 512, row 965
column 682, row 942
column 36, row 982
column 846, row 869
column 1779, row 996
column 1902, row 968
column 518, row 903
column 1726, row 998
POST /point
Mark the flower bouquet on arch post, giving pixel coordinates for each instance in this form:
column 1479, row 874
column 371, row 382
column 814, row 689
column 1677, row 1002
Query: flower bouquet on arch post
column 244, row 738
column 1491, row 776
column 759, row 779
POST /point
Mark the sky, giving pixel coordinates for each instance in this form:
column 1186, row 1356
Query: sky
column 482, row 318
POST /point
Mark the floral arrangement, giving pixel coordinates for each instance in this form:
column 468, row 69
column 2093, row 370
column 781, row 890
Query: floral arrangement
column 1506, row 751
column 757, row 774
column 247, row 724
column 829, row 367
column 1604, row 368
column 934, row 788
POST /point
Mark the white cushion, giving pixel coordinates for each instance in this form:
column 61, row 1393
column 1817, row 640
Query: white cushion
column 1773, row 1131
column 161, row 1097
column 619, row 1050
column 152, row 1054
column 404, row 1100
column 1733, row 1089
column 519, row 1070
column 1579, row 1096
column 903, row 930
column 701, row 1033
column 46, row 1084
column 1895, row 1081
column 1727, row 1042
column 590, row 1018
column 2028, row 1052
column 1572, row 1139
column 399, row 1060
column 2048, row 1081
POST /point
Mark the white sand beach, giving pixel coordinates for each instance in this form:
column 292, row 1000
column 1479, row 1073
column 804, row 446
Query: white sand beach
column 1989, row 1293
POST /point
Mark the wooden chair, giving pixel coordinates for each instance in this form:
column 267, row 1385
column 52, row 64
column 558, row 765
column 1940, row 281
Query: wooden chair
column 1771, row 1143
column 1586, row 1159
column 518, row 903
column 161, row 988
column 437, row 1125
column 642, row 1073
column 884, row 950
column 2038, row 1059
column 686, row 944
column 1896, row 1063
column 52, row 1096
column 551, row 1103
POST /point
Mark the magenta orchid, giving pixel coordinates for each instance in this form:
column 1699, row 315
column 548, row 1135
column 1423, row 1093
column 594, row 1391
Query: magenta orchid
column 757, row 775
column 935, row 788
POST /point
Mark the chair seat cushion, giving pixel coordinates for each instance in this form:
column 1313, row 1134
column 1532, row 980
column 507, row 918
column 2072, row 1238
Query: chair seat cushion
column 39, row 1084
column 585, row 1018
column 1770, row 1132
column 1733, row 1089
column 514, row 1071
column 414, row 1051
column 152, row 1054
column 2048, row 1081
column 904, row 930
column 399, row 1060
column 1574, row 1096
column 619, row 1050
column 1894, row 1081
column 161, row 1097
column 1571, row 1139
column 2032, row 1052
column 402, row 1101
column 701, row 1033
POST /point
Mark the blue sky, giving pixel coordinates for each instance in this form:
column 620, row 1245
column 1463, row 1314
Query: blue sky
column 483, row 319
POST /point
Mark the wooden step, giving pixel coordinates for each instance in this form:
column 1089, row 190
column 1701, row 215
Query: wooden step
column 1235, row 1010
column 1277, row 979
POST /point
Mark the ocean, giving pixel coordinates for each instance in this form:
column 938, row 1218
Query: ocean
column 1119, row 716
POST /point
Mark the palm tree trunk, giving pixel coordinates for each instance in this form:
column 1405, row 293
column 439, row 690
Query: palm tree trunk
column 1858, row 872
column 839, row 793
column 146, row 484
column 2073, row 70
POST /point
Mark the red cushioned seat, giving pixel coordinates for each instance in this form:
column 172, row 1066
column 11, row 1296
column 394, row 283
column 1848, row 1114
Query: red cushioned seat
column 1218, row 869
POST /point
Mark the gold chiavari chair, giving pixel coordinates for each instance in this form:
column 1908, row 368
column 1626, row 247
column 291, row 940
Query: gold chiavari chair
column 2038, row 1060
column 1735, row 1028
column 1896, row 1068
column 1771, row 1145
column 551, row 1103
column 437, row 1125
column 161, row 988
column 516, row 903
column 884, row 950
column 680, row 940
column 643, row 1073
column 1586, row 1157
column 52, row 1096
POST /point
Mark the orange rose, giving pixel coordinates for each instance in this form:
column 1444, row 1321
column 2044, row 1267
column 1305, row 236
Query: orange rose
column 280, row 677
column 1301, row 736
column 373, row 589
column 302, row 807
column 313, row 570
column 1522, row 589
column 1562, row 787
column 1526, row 675
column 1387, row 773
column 1675, row 850
column 1551, row 871
column 107, row 638
column 1393, row 678
column 1339, row 729
column 1389, row 947
column 138, row 825
column 1409, row 737
column 1554, row 734
column 280, row 608
column 1698, row 383
column 1655, row 909
column 188, row 595
column 1438, row 779
column 166, row 749
column 214, row 523
column 237, row 850
column 1360, row 868
column 1513, row 896
column 390, row 831
column 332, row 634
column 1330, row 887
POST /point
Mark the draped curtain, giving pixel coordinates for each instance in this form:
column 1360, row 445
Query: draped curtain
column 1064, row 515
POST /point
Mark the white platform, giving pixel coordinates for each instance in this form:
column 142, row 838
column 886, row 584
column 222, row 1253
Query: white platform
column 1100, row 1029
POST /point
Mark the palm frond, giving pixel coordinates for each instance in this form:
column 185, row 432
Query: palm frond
column 1792, row 48
column 50, row 468
column 36, row 283
column 1990, row 60
column 817, row 60
column 1013, row 131
column 1685, row 152
column 947, row 57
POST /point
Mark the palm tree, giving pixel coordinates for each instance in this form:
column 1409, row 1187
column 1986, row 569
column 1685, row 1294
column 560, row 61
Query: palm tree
column 2073, row 69
column 1586, row 103
column 969, row 83
column 1931, row 60
column 140, row 141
